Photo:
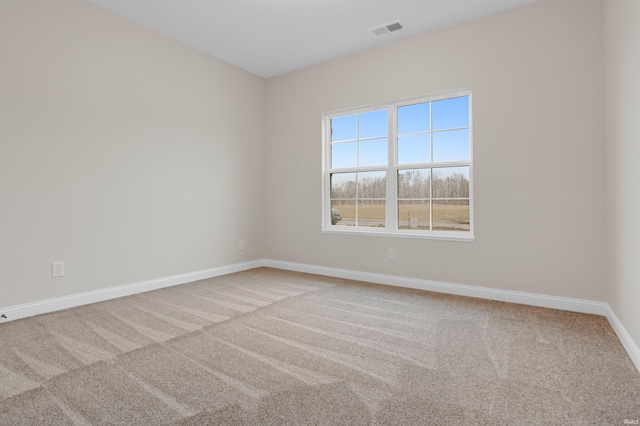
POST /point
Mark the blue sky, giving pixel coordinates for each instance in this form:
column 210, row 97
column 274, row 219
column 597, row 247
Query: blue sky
column 419, row 123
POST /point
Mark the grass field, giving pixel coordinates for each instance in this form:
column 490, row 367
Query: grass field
column 447, row 215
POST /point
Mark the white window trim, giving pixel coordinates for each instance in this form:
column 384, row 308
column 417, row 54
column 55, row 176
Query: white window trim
column 391, row 228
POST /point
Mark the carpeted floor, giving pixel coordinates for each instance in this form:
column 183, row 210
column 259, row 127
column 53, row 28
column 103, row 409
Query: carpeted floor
column 273, row 347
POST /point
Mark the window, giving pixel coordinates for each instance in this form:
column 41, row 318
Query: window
column 402, row 169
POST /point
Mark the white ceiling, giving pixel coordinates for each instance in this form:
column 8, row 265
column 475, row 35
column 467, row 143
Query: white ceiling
column 271, row 37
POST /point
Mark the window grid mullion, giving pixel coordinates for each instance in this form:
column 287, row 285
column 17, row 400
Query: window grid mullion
column 392, row 176
column 431, row 197
column 358, row 168
column 431, row 132
column 431, row 169
column 424, row 132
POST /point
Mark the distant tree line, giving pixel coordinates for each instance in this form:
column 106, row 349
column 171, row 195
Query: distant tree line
column 411, row 184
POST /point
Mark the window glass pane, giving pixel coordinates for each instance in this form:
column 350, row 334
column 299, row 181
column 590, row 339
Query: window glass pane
column 343, row 212
column 451, row 215
column 413, row 118
column 372, row 213
column 414, row 214
column 343, row 128
column 451, row 182
column 373, row 124
column 372, row 185
column 451, row 145
column 451, row 113
column 414, row 183
column 343, row 155
column 343, row 185
column 414, row 149
column 373, row 152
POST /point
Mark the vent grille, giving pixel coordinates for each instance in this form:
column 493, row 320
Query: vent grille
column 387, row 28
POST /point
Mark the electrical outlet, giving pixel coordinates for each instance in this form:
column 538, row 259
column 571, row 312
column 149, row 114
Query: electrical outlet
column 240, row 244
column 57, row 269
column 392, row 254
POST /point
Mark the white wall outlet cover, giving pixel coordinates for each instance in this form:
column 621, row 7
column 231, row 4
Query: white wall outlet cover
column 57, row 269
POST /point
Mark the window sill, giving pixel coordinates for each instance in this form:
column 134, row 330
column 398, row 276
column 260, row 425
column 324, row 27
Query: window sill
column 433, row 235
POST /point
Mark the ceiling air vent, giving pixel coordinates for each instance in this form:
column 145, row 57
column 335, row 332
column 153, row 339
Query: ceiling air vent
column 387, row 28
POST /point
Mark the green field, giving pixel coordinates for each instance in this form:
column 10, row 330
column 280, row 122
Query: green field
column 453, row 216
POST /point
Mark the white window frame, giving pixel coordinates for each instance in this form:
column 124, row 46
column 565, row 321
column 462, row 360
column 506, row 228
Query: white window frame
column 391, row 228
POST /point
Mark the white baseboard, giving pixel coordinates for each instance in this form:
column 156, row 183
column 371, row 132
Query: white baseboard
column 563, row 303
column 555, row 302
column 626, row 340
column 532, row 299
column 51, row 305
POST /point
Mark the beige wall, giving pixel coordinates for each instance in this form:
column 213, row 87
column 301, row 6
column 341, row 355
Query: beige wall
column 132, row 157
column 622, row 84
column 537, row 81
column 124, row 154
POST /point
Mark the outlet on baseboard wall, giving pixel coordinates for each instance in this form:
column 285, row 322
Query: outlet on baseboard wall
column 392, row 254
column 240, row 244
column 57, row 269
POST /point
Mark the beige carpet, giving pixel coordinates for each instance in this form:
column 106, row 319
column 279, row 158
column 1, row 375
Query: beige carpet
column 272, row 347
